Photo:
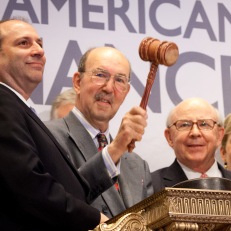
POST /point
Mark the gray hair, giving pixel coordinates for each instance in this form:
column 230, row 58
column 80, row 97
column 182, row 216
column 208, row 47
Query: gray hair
column 66, row 97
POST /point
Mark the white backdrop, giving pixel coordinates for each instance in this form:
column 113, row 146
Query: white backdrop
column 201, row 29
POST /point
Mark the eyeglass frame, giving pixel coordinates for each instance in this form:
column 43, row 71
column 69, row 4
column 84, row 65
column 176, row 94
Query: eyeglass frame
column 192, row 124
column 94, row 72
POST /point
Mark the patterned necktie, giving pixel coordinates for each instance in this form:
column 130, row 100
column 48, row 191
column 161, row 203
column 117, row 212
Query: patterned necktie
column 203, row 175
column 102, row 141
column 117, row 187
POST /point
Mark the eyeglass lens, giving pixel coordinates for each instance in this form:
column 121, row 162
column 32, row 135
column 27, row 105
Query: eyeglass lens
column 100, row 77
column 207, row 124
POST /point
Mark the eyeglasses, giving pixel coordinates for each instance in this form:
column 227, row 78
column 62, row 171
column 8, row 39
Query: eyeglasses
column 101, row 77
column 186, row 125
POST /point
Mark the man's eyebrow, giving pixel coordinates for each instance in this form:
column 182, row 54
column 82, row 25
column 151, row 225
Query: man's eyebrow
column 100, row 69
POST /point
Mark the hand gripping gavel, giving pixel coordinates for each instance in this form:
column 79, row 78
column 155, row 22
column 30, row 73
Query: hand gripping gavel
column 156, row 52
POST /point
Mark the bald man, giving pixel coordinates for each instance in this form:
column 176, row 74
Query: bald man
column 102, row 82
column 194, row 131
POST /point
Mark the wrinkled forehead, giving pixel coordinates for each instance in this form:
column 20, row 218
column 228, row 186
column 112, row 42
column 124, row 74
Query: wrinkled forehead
column 109, row 59
column 194, row 110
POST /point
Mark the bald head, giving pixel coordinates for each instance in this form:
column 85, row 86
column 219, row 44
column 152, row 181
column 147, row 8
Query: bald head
column 191, row 105
column 101, row 84
column 194, row 132
column 100, row 53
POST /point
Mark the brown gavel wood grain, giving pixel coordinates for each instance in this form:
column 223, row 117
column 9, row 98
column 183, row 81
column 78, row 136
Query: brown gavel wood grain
column 156, row 52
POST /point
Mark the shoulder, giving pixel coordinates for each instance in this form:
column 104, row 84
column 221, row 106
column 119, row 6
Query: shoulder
column 13, row 109
column 170, row 170
column 54, row 123
column 159, row 172
column 225, row 173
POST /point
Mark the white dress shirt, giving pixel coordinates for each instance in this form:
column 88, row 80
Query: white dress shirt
column 212, row 172
column 113, row 170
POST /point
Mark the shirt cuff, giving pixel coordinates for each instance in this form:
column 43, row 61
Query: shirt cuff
column 113, row 170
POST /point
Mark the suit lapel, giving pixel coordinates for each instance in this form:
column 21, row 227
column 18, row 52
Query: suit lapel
column 37, row 120
column 87, row 149
column 173, row 175
column 46, row 130
column 225, row 173
column 80, row 136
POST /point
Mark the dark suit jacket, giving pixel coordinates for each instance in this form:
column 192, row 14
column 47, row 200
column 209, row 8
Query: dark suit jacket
column 134, row 180
column 40, row 188
column 169, row 176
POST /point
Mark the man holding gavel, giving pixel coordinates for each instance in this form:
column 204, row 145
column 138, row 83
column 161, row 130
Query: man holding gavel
column 101, row 84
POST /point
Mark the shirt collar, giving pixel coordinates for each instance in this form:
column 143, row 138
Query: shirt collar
column 212, row 172
column 16, row 93
column 91, row 130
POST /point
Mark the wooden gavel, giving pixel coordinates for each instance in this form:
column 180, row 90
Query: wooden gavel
column 156, row 52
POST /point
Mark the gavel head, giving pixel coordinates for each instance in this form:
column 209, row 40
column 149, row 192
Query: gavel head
column 157, row 52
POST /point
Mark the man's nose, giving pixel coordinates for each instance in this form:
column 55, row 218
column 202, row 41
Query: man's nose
column 109, row 85
column 195, row 130
column 37, row 50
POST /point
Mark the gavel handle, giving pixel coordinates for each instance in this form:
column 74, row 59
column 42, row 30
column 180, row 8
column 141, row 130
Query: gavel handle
column 145, row 97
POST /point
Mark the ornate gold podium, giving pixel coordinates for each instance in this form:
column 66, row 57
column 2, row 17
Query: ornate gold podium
column 176, row 209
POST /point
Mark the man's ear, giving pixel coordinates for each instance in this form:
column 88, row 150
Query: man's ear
column 221, row 133
column 76, row 81
column 168, row 137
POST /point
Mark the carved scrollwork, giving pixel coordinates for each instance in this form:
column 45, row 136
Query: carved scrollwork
column 176, row 209
column 129, row 222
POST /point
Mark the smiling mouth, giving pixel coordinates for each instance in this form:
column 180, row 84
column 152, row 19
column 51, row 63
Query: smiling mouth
column 36, row 63
column 195, row 146
column 104, row 101
column 103, row 98
column 37, row 66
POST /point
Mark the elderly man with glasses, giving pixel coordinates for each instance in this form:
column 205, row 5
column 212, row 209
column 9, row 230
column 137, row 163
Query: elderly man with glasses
column 194, row 131
column 101, row 84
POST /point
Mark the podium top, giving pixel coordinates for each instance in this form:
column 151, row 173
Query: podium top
column 209, row 183
column 192, row 199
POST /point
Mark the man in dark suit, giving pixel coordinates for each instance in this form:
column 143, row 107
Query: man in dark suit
column 194, row 131
column 101, row 85
column 40, row 188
